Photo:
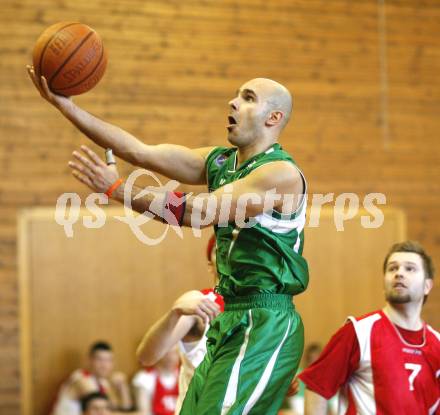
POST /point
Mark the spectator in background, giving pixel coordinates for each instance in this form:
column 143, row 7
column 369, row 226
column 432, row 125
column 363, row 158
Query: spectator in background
column 95, row 403
column 98, row 377
column 156, row 388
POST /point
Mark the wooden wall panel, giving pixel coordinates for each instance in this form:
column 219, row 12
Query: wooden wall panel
column 101, row 284
column 346, row 276
column 365, row 81
column 75, row 291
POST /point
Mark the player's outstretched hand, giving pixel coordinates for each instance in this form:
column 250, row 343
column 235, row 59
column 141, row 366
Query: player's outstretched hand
column 196, row 303
column 89, row 169
column 293, row 388
column 42, row 87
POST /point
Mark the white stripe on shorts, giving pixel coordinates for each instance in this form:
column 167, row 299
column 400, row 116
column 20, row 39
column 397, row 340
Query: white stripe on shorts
column 258, row 391
column 434, row 407
column 231, row 391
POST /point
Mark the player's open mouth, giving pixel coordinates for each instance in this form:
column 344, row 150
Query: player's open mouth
column 399, row 285
column 232, row 123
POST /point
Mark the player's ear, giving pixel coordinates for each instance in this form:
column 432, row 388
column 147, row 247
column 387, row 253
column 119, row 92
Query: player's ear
column 274, row 119
column 429, row 283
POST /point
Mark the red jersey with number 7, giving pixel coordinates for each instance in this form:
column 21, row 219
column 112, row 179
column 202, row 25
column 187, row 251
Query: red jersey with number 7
column 385, row 374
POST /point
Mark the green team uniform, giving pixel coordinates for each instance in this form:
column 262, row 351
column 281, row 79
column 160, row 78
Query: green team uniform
column 254, row 347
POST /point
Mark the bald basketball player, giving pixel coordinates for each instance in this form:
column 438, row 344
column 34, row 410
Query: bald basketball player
column 254, row 347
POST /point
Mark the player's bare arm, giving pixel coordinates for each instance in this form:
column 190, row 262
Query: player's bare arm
column 275, row 185
column 293, row 388
column 247, row 197
column 120, row 383
column 175, row 325
column 143, row 401
column 314, row 404
column 174, row 161
column 83, row 386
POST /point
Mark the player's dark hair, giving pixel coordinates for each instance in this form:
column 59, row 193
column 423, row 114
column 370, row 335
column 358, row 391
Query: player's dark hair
column 98, row 346
column 416, row 248
column 87, row 399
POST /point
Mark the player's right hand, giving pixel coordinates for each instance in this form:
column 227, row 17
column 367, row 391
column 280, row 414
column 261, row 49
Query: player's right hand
column 196, row 303
column 293, row 388
column 42, row 87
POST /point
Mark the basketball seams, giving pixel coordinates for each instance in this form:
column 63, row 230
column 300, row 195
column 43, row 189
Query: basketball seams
column 89, row 75
column 40, row 65
column 78, row 47
column 71, row 56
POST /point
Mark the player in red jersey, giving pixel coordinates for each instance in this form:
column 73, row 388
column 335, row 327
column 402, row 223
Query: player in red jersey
column 388, row 361
column 186, row 325
column 156, row 388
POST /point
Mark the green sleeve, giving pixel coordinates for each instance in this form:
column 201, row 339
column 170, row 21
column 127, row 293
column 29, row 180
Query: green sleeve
column 213, row 164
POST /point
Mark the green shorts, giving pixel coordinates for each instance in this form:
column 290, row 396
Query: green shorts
column 254, row 349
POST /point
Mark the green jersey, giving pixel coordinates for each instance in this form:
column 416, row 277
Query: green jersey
column 266, row 257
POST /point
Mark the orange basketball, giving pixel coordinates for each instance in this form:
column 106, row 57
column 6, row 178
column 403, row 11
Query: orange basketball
column 71, row 57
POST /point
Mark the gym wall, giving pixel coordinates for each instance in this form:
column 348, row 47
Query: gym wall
column 364, row 78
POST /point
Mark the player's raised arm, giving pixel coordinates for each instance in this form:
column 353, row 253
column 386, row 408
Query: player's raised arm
column 278, row 186
column 174, row 326
column 273, row 186
column 174, row 161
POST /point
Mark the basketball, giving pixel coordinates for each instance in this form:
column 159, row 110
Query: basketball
column 71, row 56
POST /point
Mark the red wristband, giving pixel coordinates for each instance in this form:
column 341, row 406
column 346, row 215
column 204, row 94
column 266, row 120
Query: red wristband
column 113, row 187
column 174, row 208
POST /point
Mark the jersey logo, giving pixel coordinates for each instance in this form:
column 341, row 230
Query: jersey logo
column 220, row 160
column 411, row 351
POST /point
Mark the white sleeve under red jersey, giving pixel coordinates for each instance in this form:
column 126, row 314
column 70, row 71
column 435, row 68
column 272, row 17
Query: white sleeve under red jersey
column 379, row 369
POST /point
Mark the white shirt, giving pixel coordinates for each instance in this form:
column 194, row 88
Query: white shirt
column 191, row 355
